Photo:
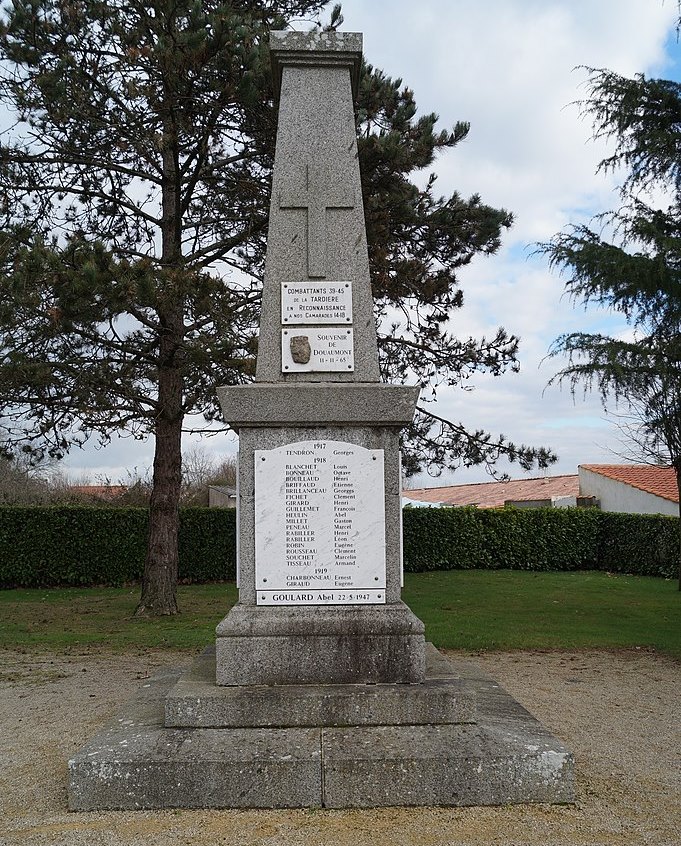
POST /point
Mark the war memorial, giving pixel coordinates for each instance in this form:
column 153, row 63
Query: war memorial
column 320, row 689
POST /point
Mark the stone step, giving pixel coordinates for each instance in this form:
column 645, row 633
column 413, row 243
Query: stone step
column 196, row 701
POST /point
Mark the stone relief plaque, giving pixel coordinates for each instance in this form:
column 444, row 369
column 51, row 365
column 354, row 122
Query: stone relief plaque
column 317, row 350
column 316, row 302
column 319, row 524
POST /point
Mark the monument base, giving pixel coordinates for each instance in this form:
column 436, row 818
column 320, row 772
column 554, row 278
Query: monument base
column 286, row 645
column 505, row 756
column 195, row 701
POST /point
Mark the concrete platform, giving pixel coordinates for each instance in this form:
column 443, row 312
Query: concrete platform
column 505, row 757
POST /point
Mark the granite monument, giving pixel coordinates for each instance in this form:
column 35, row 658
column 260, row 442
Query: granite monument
column 320, row 690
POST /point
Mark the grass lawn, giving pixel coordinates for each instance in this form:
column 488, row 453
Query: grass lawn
column 60, row 618
column 470, row 610
column 506, row 609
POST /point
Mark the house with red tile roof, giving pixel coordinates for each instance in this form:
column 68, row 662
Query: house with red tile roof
column 631, row 488
column 546, row 491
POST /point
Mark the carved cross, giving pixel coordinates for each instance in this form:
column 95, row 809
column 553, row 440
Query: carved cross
column 317, row 195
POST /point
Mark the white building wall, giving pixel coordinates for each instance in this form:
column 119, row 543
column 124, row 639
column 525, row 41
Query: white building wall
column 218, row 497
column 617, row 496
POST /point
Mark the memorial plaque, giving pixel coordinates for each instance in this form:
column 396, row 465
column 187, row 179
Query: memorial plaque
column 319, row 524
column 316, row 302
column 317, row 350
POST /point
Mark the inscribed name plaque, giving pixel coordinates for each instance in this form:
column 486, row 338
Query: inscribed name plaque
column 317, row 350
column 316, row 302
column 319, row 524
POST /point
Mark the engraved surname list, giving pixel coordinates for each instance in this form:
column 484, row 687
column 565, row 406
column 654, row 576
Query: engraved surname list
column 302, row 487
column 320, row 530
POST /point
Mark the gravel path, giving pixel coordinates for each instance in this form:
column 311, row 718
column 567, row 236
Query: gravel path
column 618, row 712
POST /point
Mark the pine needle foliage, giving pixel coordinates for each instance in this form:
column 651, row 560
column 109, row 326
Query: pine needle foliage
column 636, row 271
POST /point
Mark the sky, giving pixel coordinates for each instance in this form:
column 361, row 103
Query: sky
column 512, row 69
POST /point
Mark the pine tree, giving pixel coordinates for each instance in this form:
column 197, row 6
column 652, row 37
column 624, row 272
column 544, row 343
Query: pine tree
column 637, row 271
column 134, row 195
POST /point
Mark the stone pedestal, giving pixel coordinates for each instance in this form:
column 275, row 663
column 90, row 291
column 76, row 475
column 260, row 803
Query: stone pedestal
column 303, row 646
column 319, row 645
column 442, row 698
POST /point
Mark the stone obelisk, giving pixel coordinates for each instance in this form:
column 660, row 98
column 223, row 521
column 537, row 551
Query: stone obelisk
column 319, row 520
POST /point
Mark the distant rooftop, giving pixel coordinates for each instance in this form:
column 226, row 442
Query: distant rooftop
column 495, row 494
column 660, row 481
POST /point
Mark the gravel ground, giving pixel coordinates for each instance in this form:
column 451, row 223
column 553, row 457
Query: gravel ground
column 618, row 712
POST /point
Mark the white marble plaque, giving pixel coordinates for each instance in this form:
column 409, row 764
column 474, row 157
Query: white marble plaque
column 319, row 524
column 317, row 350
column 316, row 302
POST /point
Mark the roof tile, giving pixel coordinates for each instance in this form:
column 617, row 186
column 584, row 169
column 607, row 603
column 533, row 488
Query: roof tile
column 494, row 494
column 659, row 481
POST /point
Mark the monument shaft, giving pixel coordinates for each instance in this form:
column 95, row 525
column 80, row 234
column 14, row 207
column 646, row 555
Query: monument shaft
column 317, row 232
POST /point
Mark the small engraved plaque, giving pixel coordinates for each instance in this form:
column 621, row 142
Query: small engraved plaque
column 316, row 302
column 331, row 350
column 319, row 525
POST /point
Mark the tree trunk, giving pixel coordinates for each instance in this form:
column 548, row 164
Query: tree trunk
column 159, row 584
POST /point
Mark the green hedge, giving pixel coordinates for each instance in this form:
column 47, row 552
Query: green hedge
column 516, row 539
column 77, row 546
column 639, row 543
column 207, row 544
column 70, row 545
column 540, row 539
